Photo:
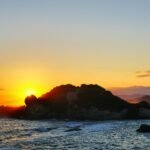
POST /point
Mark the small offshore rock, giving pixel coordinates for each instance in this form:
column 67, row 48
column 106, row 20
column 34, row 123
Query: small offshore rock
column 144, row 128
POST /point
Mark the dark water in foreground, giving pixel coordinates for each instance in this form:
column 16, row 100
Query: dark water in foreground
column 36, row 135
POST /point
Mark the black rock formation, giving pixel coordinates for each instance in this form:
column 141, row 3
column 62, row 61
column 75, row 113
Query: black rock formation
column 144, row 128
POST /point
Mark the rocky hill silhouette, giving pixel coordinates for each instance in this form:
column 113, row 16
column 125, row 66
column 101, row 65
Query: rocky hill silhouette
column 82, row 102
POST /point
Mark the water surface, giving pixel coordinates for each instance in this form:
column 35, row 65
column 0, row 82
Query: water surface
column 51, row 134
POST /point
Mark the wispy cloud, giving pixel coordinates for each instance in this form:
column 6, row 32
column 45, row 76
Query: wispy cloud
column 148, row 71
column 143, row 74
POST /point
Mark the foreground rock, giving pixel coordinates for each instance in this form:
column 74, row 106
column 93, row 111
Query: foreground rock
column 144, row 128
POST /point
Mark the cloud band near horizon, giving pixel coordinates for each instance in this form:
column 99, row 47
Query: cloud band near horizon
column 143, row 74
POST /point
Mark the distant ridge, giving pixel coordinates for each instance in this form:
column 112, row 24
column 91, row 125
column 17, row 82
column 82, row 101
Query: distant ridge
column 133, row 90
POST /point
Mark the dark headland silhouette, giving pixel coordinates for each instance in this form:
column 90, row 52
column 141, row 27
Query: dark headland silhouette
column 90, row 102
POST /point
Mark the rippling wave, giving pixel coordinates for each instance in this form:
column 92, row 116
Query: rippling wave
column 51, row 134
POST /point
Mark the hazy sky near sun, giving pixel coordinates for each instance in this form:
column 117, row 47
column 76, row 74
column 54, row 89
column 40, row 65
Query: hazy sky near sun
column 44, row 43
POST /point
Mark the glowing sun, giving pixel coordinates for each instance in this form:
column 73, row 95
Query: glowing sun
column 30, row 92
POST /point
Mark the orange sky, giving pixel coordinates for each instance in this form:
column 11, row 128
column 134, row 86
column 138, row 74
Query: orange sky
column 47, row 44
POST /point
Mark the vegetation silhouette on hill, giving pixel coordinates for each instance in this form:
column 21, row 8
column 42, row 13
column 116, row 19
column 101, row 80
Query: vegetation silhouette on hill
column 82, row 102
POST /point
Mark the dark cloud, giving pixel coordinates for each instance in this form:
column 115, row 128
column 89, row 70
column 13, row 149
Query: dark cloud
column 143, row 74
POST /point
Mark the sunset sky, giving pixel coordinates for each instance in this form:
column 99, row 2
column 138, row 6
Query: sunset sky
column 44, row 43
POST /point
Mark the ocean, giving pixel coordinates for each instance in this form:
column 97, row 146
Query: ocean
column 56, row 135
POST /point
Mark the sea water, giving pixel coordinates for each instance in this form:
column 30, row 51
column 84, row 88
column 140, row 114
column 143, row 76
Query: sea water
column 53, row 135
